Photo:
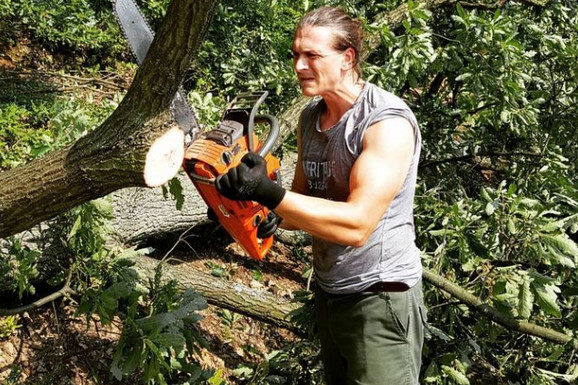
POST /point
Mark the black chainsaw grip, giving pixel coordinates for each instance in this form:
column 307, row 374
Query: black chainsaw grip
column 273, row 133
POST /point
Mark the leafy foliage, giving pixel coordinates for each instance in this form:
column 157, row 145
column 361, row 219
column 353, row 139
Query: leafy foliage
column 8, row 325
column 73, row 27
column 158, row 337
column 495, row 90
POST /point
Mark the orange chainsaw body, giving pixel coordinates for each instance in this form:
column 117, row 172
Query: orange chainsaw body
column 213, row 155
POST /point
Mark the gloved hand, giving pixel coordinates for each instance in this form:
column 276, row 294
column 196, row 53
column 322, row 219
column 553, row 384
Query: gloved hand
column 269, row 225
column 211, row 215
column 249, row 181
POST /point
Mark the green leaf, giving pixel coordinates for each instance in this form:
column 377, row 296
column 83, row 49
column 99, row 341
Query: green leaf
column 508, row 300
column 476, row 245
column 455, row 375
column 561, row 246
column 133, row 360
column 176, row 341
column 103, row 205
column 242, row 372
column 485, row 194
column 491, row 207
column 511, row 226
column 77, row 225
column 176, row 190
column 441, row 233
column 546, row 295
column 525, row 299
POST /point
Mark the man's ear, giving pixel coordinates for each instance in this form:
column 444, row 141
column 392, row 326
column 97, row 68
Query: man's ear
column 348, row 59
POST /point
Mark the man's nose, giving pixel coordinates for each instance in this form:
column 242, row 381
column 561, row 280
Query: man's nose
column 300, row 63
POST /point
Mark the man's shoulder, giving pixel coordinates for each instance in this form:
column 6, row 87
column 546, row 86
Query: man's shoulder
column 378, row 97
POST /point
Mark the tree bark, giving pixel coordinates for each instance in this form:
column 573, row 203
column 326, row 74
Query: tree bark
column 128, row 147
column 257, row 304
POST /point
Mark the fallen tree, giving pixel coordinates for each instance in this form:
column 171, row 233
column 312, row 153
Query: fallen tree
column 139, row 144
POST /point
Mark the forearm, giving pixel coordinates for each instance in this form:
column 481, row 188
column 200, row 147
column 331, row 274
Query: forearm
column 344, row 223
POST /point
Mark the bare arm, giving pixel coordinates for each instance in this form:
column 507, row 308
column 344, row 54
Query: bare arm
column 376, row 177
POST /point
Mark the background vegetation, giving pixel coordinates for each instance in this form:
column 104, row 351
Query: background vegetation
column 494, row 86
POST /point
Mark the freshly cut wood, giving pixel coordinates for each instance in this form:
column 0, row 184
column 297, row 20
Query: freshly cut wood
column 164, row 158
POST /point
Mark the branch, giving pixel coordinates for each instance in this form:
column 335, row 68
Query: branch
column 136, row 146
column 42, row 301
column 493, row 314
column 463, row 158
column 496, row 5
column 500, row 4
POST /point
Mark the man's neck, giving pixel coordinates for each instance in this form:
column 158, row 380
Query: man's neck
column 339, row 101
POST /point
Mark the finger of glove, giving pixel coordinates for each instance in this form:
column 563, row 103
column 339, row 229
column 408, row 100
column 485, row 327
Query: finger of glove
column 271, row 216
column 235, row 181
column 244, row 173
column 212, row 215
column 251, row 159
column 222, row 184
column 267, row 228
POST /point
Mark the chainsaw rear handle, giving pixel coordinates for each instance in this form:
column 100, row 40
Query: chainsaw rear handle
column 273, row 133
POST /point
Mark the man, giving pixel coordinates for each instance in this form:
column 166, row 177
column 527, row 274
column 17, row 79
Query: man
column 358, row 151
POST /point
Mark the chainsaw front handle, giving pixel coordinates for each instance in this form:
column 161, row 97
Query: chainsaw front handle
column 273, row 133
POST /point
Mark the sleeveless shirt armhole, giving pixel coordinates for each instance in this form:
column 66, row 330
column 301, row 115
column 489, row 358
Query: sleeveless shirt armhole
column 383, row 114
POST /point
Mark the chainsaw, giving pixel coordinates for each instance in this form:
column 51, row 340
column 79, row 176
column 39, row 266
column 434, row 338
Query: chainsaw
column 211, row 154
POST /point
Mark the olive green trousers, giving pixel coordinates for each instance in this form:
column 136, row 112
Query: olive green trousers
column 371, row 338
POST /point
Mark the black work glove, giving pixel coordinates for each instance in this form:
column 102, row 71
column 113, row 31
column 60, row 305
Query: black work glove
column 269, row 225
column 212, row 215
column 249, row 182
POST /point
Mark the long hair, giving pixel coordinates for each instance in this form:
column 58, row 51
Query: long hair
column 347, row 31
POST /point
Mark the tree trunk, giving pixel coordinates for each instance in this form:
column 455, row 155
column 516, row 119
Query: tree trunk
column 136, row 146
column 257, row 304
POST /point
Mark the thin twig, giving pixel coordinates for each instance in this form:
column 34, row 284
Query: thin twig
column 98, row 81
column 66, row 290
column 56, row 318
column 433, row 163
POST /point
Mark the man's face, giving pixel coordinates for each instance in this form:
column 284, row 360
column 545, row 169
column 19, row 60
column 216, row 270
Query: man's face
column 319, row 67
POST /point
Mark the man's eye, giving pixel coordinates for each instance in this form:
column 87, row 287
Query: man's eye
column 311, row 55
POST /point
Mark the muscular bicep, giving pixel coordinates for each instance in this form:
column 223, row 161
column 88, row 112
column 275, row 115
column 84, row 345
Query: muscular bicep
column 381, row 168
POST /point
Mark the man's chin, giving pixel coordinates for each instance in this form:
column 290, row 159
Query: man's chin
column 309, row 91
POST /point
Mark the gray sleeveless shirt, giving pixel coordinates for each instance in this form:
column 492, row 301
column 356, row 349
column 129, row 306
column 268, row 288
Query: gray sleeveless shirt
column 327, row 156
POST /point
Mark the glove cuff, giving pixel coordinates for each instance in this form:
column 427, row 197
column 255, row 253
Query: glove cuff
column 273, row 197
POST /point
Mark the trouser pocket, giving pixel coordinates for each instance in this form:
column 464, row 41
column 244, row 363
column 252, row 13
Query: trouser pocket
column 398, row 308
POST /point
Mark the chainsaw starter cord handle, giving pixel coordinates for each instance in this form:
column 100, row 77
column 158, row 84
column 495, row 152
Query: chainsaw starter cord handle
column 249, row 181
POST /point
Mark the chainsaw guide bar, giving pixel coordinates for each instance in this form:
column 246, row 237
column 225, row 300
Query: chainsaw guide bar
column 139, row 36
